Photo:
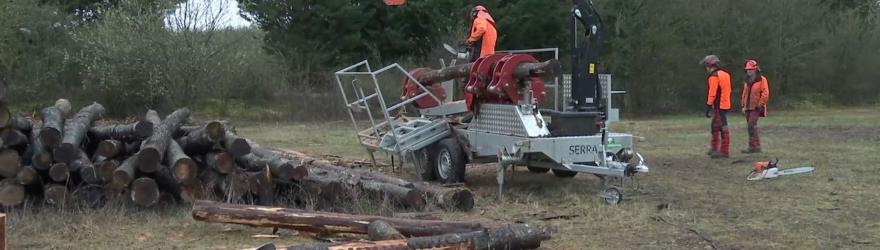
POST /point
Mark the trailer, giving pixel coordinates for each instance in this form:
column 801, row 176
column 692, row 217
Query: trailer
column 448, row 133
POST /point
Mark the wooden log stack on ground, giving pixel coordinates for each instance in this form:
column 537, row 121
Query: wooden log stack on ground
column 64, row 156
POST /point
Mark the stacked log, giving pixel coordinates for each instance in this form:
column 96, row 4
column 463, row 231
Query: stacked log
column 62, row 157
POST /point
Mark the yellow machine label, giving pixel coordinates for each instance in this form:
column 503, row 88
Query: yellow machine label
column 592, row 68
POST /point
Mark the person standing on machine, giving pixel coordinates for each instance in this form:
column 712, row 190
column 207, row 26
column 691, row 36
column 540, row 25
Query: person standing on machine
column 717, row 106
column 756, row 94
column 483, row 33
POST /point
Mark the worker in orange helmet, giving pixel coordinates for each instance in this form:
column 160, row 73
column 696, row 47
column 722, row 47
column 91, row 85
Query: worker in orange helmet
column 756, row 94
column 717, row 106
column 483, row 33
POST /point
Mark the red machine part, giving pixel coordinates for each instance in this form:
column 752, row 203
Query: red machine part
column 492, row 80
column 481, row 75
column 411, row 89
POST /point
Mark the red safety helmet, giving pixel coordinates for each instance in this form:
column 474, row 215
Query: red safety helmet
column 751, row 64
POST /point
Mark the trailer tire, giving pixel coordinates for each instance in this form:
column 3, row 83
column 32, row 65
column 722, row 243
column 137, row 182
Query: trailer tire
column 564, row 173
column 539, row 170
column 424, row 164
column 449, row 161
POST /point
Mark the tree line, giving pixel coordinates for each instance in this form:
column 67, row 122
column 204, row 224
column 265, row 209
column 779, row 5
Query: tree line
column 123, row 53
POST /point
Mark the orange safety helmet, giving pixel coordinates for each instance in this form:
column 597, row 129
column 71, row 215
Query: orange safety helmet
column 476, row 10
column 751, row 64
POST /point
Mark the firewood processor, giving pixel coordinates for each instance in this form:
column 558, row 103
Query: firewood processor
column 502, row 116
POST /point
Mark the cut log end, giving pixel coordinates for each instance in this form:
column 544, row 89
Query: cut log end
column 109, row 148
column 59, row 172
column 66, row 153
column 381, row 230
column 148, row 160
column 105, row 170
column 185, row 170
column 238, row 147
column 121, row 178
column 145, row 192
column 463, row 200
column 143, row 129
column 10, row 163
column 27, row 175
column 222, row 162
column 215, row 130
column 50, row 137
column 42, row 161
column 11, row 193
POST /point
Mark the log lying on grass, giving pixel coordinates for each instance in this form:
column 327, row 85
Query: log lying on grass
column 509, row 237
column 11, row 192
column 281, row 169
column 153, row 150
column 145, row 192
column 69, row 150
column 319, row 222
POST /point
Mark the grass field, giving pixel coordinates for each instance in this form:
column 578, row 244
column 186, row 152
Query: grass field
column 687, row 201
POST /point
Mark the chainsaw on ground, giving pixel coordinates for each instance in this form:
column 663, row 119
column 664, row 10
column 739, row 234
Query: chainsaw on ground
column 770, row 170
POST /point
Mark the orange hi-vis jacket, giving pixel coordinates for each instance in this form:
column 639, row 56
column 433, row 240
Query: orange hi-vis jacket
column 484, row 34
column 719, row 89
column 756, row 94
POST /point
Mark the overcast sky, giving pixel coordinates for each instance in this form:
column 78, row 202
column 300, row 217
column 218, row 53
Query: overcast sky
column 203, row 11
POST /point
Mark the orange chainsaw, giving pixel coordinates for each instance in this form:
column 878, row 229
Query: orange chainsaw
column 770, row 170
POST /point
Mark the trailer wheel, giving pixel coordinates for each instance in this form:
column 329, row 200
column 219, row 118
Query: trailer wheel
column 538, row 169
column 564, row 173
column 425, row 164
column 449, row 161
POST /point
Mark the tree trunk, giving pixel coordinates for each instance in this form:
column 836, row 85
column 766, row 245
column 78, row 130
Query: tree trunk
column 236, row 146
column 145, row 192
column 280, row 167
column 153, row 150
column 53, row 126
column 220, row 161
column 124, row 174
column 69, row 149
column 110, row 148
column 203, row 139
column 509, row 237
column 87, row 170
column 416, row 216
column 10, row 163
column 407, row 197
column 11, row 193
column 184, row 169
column 42, row 158
column 450, row 199
column 21, row 123
column 11, row 138
column 166, row 182
column 380, row 230
column 123, row 132
column 319, row 222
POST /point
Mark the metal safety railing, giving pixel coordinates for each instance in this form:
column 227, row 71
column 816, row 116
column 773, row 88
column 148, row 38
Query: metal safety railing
column 361, row 101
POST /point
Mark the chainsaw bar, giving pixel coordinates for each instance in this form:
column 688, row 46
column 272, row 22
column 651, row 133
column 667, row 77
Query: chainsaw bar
column 798, row 170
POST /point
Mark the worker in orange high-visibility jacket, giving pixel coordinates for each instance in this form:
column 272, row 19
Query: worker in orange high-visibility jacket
column 755, row 96
column 717, row 106
column 483, row 33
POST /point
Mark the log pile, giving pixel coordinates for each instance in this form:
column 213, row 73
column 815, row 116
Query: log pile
column 381, row 232
column 69, row 155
